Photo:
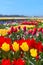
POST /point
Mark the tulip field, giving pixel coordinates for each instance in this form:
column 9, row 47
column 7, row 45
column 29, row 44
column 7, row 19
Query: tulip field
column 21, row 44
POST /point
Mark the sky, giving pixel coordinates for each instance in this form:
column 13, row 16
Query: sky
column 21, row 7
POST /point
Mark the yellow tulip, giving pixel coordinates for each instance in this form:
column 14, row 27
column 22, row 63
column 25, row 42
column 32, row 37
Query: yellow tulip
column 5, row 47
column 3, row 32
column 27, row 26
column 15, row 46
column 33, row 52
column 24, row 46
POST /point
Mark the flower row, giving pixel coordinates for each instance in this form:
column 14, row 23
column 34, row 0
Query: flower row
column 30, row 23
column 33, row 31
column 30, row 31
column 19, row 61
column 28, row 45
column 4, row 32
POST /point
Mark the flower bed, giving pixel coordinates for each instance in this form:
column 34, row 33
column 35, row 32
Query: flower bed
column 21, row 46
column 20, row 52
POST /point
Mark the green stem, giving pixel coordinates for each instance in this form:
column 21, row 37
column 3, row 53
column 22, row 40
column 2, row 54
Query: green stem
column 38, row 62
column 27, row 62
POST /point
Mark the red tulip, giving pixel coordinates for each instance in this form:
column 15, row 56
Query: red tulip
column 24, row 28
column 42, row 30
column 12, row 29
column 6, row 62
column 32, row 43
column 15, row 30
column 37, row 57
column 39, row 29
column 2, row 40
column 34, row 31
column 39, row 46
column 29, row 31
column 8, row 40
column 9, row 32
column 19, row 62
column 18, row 27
